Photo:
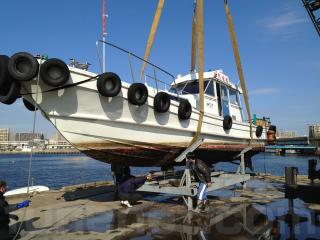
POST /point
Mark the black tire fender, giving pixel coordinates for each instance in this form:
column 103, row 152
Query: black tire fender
column 137, row 94
column 109, row 84
column 54, row 72
column 12, row 94
column 184, row 110
column 227, row 122
column 29, row 105
column 23, row 66
column 259, row 131
column 161, row 102
column 5, row 78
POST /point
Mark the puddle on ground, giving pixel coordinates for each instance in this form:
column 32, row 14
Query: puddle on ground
column 280, row 219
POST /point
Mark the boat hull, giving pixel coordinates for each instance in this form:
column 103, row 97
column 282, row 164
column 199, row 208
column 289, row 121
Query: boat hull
column 114, row 131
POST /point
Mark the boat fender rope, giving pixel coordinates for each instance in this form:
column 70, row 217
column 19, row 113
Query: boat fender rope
column 66, row 86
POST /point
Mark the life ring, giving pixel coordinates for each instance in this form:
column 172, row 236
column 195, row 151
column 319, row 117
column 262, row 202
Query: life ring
column 259, row 131
column 227, row 122
column 12, row 94
column 29, row 105
column 109, row 84
column 23, row 66
column 184, row 110
column 161, row 102
column 5, row 78
column 54, row 72
column 137, row 94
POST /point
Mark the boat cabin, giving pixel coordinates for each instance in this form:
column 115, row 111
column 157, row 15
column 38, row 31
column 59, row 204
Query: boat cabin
column 221, row 97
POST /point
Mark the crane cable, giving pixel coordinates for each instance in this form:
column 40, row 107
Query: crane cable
column 152, row 34
column 239, row 66
column 31, row 153
column 200, row 45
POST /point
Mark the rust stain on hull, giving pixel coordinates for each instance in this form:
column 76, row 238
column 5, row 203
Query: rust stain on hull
column 161, row 155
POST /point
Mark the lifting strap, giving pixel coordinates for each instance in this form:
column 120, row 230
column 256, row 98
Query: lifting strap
column 200, row 67
column 238, row 62
column 152, row 34
column 194, row 38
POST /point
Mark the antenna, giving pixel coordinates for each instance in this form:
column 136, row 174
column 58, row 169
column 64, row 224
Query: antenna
column 104, row 34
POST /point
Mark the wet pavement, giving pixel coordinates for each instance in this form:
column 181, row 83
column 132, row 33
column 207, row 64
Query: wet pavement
column 259, row 212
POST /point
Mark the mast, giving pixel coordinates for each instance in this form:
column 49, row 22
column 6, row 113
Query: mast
column 104, row 34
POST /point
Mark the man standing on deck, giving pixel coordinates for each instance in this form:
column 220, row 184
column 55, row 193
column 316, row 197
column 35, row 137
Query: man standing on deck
column 5, row 209
column 203, row 173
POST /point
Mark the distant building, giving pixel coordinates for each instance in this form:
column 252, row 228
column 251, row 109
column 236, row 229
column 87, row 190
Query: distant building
column 286, row 134
column 57, row 137
column 28, row 136
column 57, row 141
column 314, row 135
column 4, row 134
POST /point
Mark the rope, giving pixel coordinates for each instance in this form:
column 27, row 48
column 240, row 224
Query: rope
column 200, row 67
column 152, row 34
column 31, row 153
column 65, row 86
column 239, row 66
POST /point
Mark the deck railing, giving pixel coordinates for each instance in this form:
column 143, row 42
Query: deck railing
column 151, row 73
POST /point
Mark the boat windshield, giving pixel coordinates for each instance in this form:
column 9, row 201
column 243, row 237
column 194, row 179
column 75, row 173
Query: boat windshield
column 191, row 87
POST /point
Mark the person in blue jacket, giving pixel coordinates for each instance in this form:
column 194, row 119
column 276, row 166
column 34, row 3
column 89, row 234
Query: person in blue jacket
column 5, row 210
column 128, row 184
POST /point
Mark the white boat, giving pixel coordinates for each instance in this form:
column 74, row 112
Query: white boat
column 24, row 190
column 122, row 130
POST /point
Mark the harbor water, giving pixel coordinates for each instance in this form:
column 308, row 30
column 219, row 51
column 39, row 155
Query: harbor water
column 56, row 171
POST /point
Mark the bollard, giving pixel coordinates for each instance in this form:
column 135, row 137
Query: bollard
column 291, row 182
column 312, row 172
column 291, row 175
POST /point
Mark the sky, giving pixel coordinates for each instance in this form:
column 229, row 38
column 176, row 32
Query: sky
column 278, row 44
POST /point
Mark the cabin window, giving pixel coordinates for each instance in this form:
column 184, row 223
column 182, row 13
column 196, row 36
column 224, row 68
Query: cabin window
column 224, row 93
column 233, row 97
column 177, row 89
column 210, row 89
column 193, row 87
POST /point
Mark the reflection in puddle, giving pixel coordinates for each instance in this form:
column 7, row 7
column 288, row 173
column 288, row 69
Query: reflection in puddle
column 228, row 221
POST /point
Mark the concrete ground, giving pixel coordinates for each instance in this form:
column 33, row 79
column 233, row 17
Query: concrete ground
column 232, row 215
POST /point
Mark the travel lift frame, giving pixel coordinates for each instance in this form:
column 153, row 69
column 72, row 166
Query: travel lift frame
column 188, row 187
